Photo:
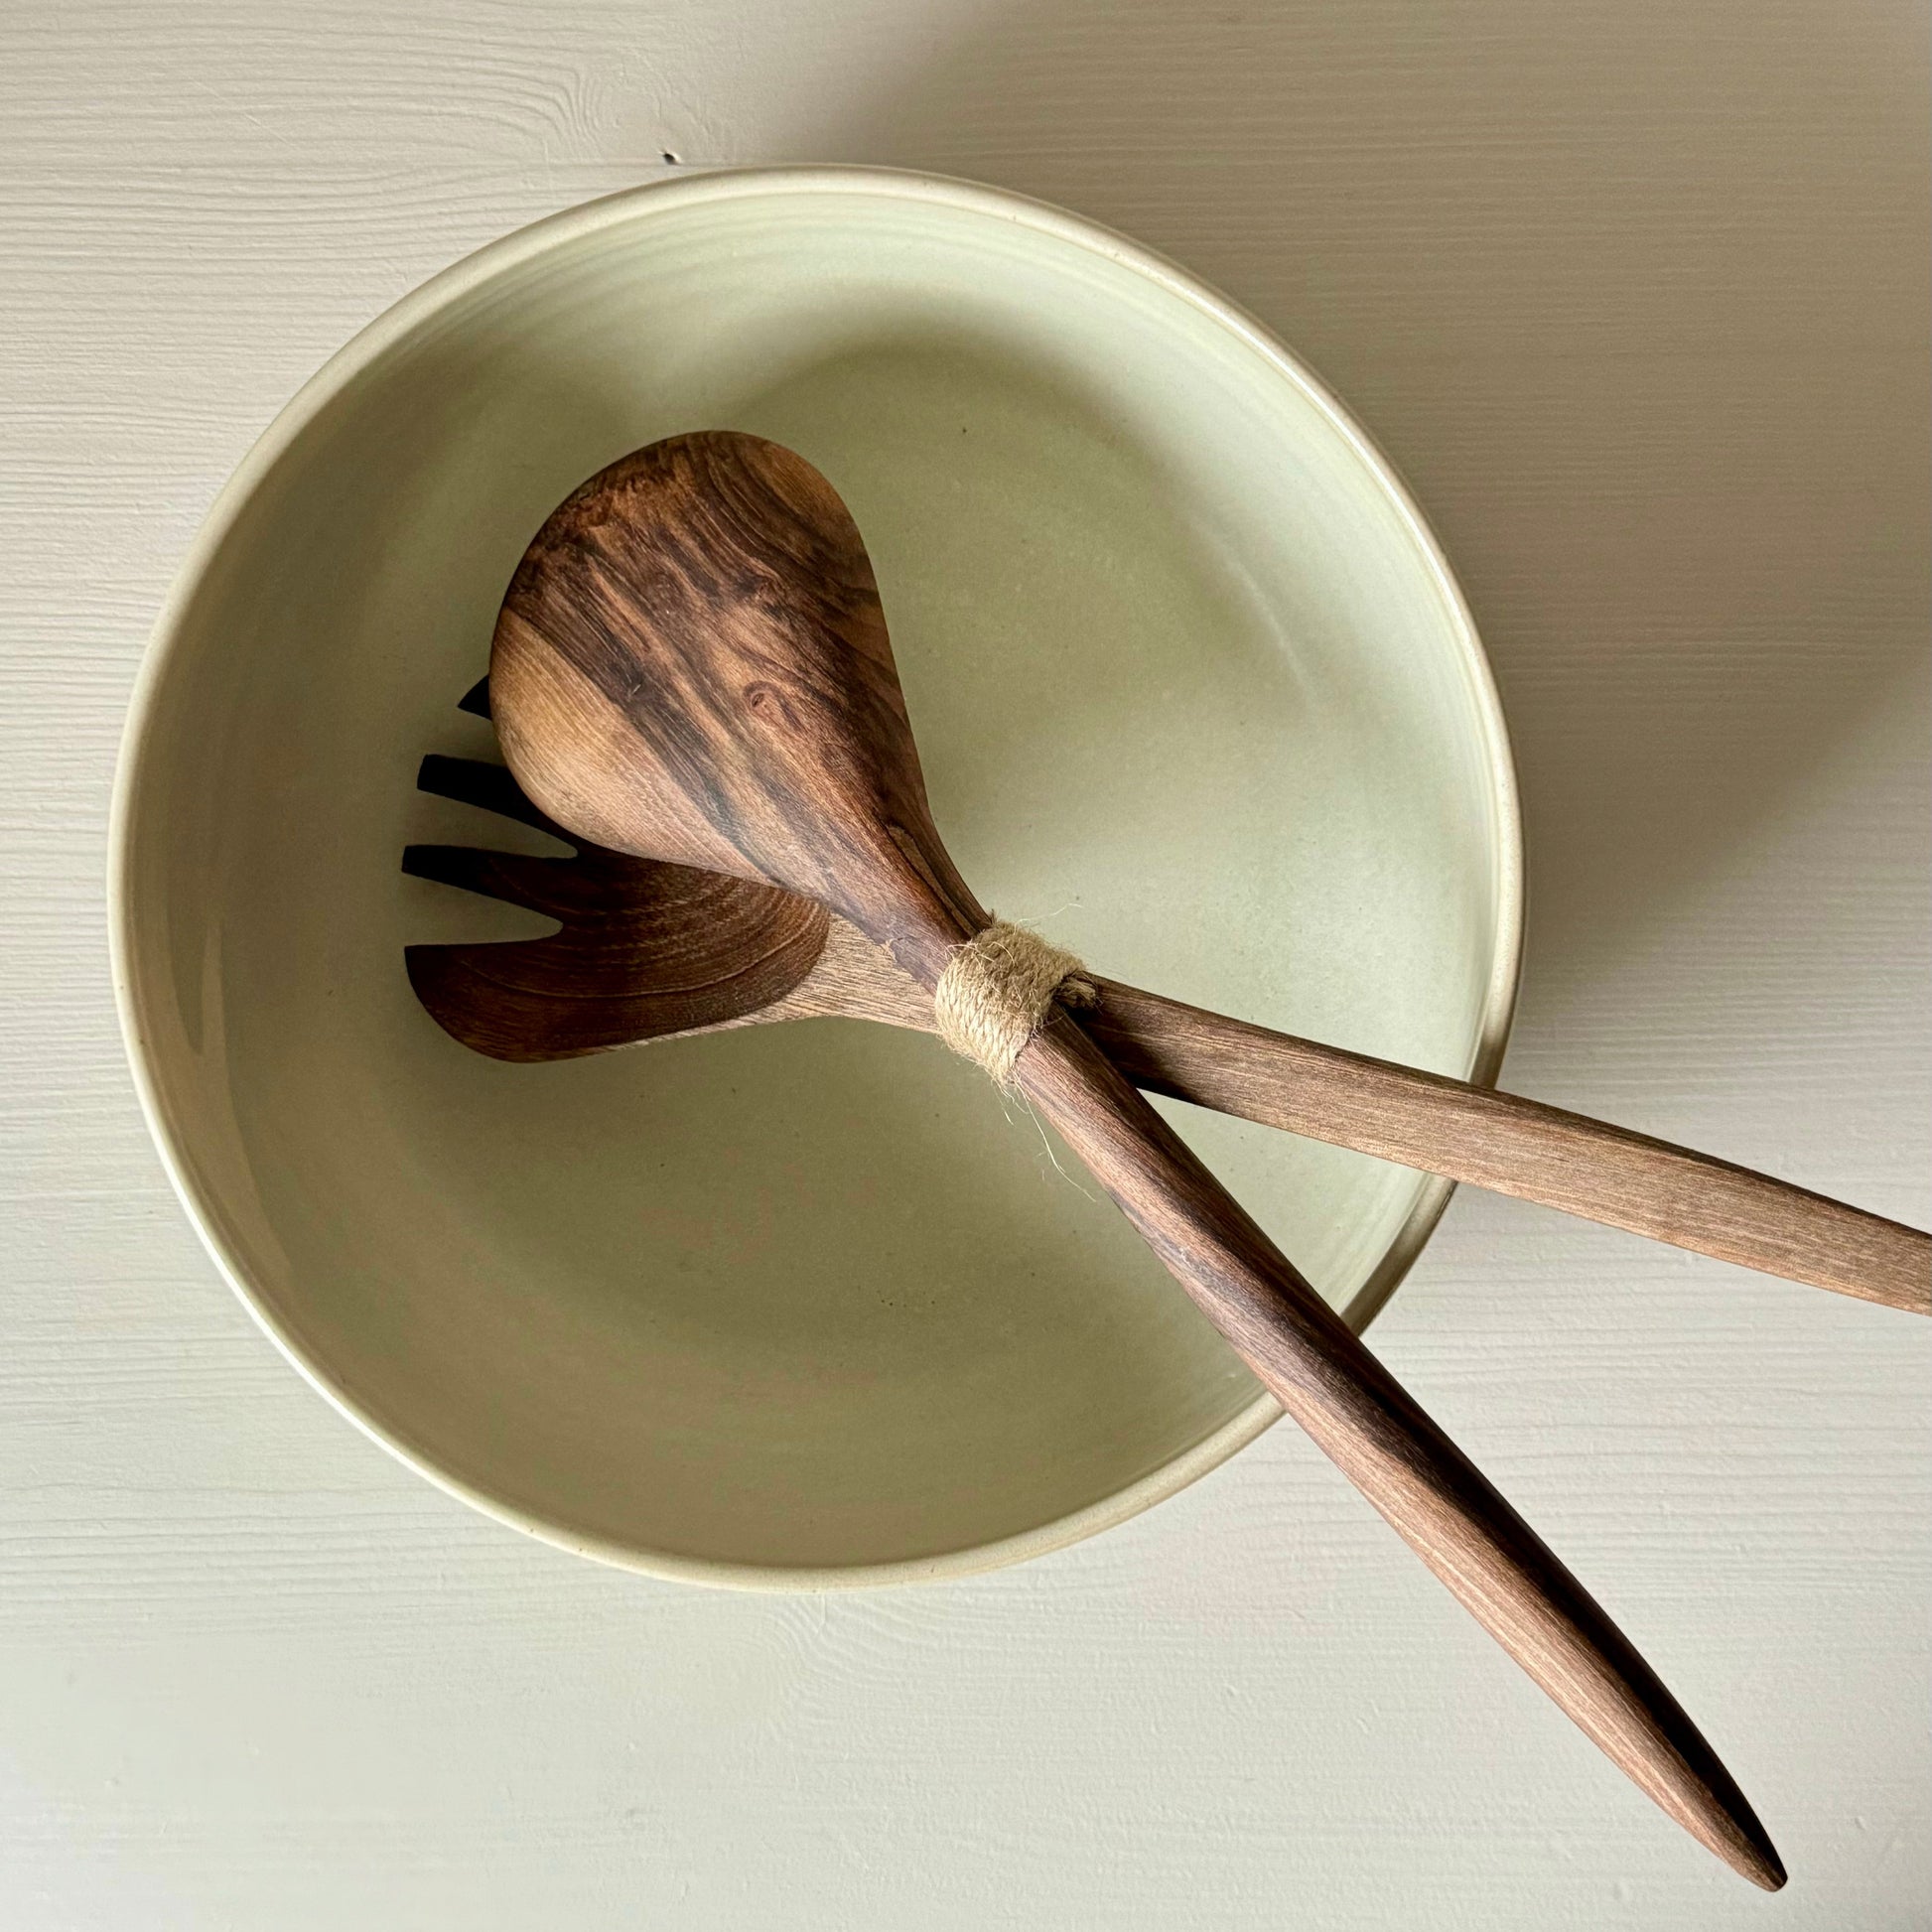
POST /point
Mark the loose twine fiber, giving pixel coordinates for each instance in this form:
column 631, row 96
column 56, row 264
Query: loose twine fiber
column 998, row 991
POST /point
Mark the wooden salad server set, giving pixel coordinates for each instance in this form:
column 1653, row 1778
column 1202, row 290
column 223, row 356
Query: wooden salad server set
column 691, row 669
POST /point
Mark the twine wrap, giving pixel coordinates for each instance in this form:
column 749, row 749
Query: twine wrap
column 999, row 990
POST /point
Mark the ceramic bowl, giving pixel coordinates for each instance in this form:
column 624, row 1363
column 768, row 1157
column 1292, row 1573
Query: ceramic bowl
column 808, row 1305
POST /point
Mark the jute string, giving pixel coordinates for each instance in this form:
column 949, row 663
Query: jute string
column 998, row 991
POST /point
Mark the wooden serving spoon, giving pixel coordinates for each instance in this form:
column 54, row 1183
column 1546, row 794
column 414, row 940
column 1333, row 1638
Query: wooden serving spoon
column 691, row 665
column 651, row 952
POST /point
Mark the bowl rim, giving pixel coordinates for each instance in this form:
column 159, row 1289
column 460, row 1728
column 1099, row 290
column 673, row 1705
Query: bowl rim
column 395, row 324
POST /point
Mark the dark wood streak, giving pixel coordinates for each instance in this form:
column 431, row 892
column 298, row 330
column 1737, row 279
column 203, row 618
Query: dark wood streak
column 618, row 678
column 641, row 949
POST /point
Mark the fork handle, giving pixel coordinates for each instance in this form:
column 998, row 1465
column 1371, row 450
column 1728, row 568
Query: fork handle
column 1511, row 1145
column 1383, row 1441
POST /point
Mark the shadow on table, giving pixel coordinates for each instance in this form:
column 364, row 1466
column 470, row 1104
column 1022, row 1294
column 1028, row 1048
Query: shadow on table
column 1633, row 295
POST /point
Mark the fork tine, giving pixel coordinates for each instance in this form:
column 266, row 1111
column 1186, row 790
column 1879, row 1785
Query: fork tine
column 472, row 781
column 475, row 700
column 533, row 883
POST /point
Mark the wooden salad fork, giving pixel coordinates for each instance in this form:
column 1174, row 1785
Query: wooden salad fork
column 692, row 667
column 652, row 951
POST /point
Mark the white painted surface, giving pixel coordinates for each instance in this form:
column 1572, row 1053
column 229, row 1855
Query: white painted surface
column 1636, row 296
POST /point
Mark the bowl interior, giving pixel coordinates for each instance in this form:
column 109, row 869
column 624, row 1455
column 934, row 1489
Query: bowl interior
column 1191, row 694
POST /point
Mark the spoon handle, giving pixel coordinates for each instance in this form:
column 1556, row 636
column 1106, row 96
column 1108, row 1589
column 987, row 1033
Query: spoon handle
column 1512, row 1146
column 1374, row 1432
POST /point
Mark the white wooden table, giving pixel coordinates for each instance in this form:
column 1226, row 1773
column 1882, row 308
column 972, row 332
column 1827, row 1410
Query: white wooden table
column 1637, row 297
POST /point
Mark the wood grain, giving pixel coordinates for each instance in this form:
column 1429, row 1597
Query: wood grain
column 1513, row 1146
column 1637, row 300
column 641, row 950
column 691, row 664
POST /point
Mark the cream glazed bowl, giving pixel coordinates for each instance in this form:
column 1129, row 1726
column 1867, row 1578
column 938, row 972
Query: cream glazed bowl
column 805, row 1306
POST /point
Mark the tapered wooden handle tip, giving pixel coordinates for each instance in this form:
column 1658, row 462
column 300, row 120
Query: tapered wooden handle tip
column 1757, row 1859
column 1424, row 1486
